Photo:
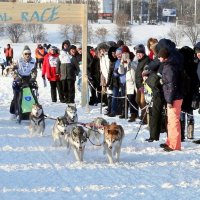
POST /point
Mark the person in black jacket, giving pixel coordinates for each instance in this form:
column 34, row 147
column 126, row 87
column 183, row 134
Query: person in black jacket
column 143, row 60
column 155, row 111
column 172, row 80
column 190, row 79
column 68, row 68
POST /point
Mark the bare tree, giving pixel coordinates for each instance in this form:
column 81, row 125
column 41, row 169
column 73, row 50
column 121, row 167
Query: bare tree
column 2, row 29
column 90, row 34
column 65, row 30
column 176, row 35
column 15, row 32
column 36, row 32
column 124, row 34
column 101, row 34
column 122, row 19
column 192, row 31
column 76, row 33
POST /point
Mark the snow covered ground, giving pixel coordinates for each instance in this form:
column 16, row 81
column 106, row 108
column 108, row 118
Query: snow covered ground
column 31, row 168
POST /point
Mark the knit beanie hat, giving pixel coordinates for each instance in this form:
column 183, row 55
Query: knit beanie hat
column 26, row 49
column 125, row 49
column 163, row 53
column 119, row 50
column 140, row 48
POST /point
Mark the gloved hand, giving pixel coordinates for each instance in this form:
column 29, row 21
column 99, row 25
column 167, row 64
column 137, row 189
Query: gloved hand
column 16, row 85
column 195, row 102
column 141, row 89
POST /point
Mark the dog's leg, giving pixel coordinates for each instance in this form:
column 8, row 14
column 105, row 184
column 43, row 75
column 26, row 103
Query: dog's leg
column 82, row 153
column 109, row 154
column 117, row 152
column 76, row 154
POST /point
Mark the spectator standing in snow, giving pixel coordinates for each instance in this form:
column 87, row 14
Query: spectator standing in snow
column 49, row 70
column 171, row 78
column 67, row 69
column 143, row 60
column 8, row 54
column 150, row 43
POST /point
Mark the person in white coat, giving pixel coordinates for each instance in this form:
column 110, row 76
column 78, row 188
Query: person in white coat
column 128, row 67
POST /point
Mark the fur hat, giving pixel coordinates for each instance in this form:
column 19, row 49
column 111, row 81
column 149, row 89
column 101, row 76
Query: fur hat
column 163, row 53
column 79, row 46
column 197, row 50
column 140, row 48
column 26, row 49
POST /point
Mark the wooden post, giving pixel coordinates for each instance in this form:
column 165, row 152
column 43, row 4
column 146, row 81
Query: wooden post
column 84, row 98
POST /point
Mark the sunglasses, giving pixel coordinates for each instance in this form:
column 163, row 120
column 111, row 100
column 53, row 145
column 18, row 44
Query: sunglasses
column 27, row 54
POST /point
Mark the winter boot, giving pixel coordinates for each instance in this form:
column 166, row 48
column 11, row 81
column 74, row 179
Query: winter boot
column 190, row 130
column 182, row 131
column 132, row 117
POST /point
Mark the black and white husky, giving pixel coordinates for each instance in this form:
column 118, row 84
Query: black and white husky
column 59, row 131
column 76, row 141
column 37, row 121
column 64, row 125
column 96, row 129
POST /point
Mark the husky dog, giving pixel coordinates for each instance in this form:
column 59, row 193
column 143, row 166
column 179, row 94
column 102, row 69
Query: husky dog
column 64, row 125
column 59, row 131
column 37, row 122
column 76, row 141
column 97, row 129
column 71, row 113
column 113, row 136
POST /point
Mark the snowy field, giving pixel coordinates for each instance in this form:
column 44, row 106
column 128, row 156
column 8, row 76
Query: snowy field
column 32, row 168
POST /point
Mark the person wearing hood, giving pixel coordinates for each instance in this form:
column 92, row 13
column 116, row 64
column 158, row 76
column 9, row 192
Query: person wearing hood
column 67, row 69
column 171, row 79
column 49, row 70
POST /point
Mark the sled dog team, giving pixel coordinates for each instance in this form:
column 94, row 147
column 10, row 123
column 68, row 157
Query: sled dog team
column 67, row 132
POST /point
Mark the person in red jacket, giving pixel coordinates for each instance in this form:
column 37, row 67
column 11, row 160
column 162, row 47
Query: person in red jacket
column 49, row 69
column 8, row 54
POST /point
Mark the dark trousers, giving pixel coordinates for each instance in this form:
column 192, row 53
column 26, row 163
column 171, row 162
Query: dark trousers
column 155, row 117
column 68, row 86
column 8, row 61
column 56, row 85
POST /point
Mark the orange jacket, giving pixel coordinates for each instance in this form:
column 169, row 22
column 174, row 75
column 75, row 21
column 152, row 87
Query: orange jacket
column 8, row 52
column 40, row 53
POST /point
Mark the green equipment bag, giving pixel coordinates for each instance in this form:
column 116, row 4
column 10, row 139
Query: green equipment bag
column 27, row 100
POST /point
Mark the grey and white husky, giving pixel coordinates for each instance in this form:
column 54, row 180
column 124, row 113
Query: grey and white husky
column 64, row 125
column 96, row 129
column 71, row 113
column 37, row 121
column 59, row 131
column 76, row 141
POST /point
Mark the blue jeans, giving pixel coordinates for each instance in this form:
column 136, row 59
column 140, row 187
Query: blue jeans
column 115, row 91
